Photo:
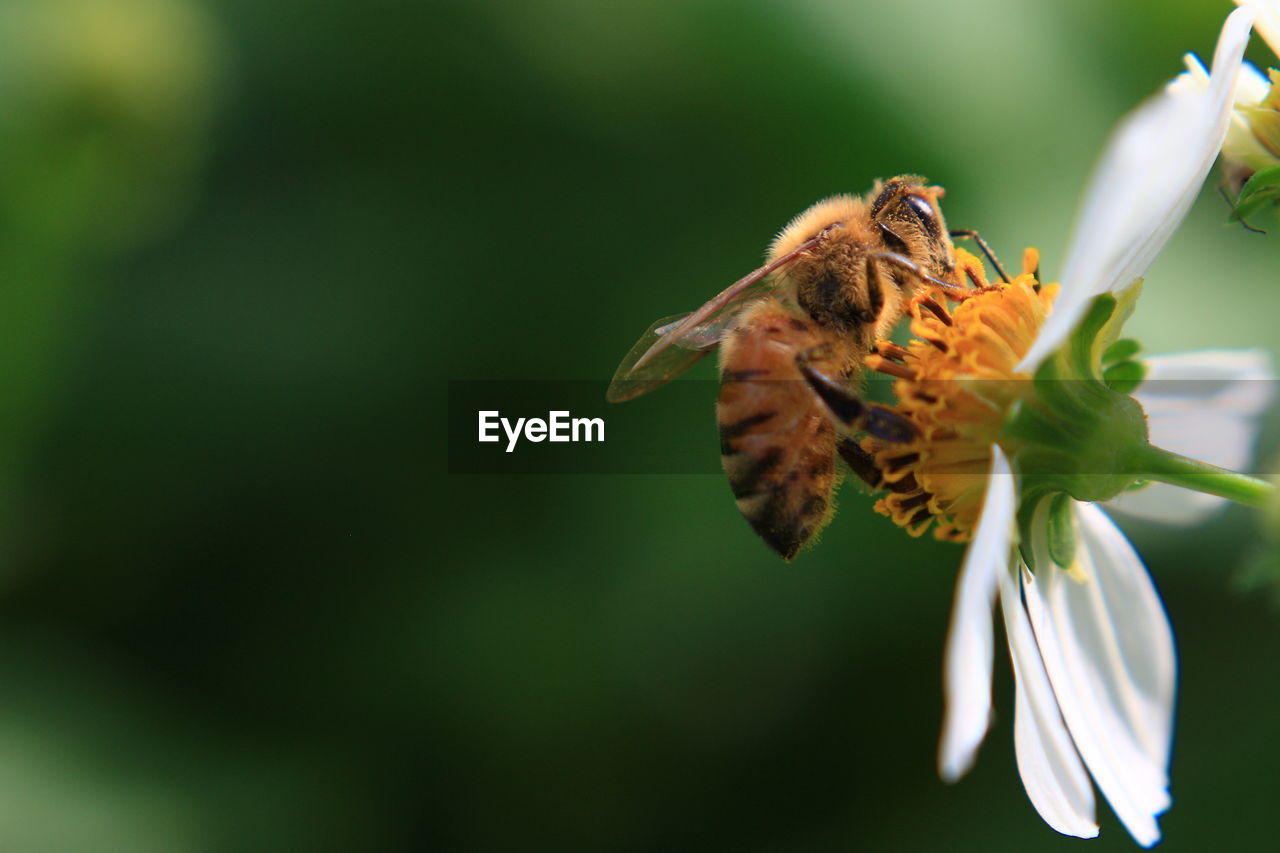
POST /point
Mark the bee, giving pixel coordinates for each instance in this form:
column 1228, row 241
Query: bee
column 793, row 336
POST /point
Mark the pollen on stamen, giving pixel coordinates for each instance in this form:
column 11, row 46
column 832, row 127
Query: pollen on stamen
column 950, row 381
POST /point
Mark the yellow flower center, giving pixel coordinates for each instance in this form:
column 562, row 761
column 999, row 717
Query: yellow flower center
column 955, row 382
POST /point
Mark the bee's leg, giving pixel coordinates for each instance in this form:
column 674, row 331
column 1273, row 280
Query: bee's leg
column 909, row 266
column 986, row 250
column 850, row 411
column 861, row 463
column 865, row 467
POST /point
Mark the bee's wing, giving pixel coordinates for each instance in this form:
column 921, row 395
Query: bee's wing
column 630, row 381
column 674, row 344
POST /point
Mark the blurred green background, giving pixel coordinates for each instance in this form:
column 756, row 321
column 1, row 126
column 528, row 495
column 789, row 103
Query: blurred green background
column 244, row 244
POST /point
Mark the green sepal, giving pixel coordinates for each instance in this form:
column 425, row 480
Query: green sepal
column 1262, row 189
column 1122, row 350
column 1026, row 517
column 1120, row 369
column 1083, row 349
column 1125, row 377
column 1061, row 530
column 1092, row 340
column 1109, row 334
column 1074, row 432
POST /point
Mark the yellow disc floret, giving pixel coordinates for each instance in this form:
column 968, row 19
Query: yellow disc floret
column 955, row 380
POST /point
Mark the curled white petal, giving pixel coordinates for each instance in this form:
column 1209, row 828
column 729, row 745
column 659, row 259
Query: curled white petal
column 1204, row 405
column 1048, row 763
column 1108, row 650
column 1149, row 173
column 1268, row 12
column 969, row 651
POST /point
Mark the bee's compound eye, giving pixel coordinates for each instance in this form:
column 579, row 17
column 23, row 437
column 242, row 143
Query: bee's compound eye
column 921, row 208
column 923, row 211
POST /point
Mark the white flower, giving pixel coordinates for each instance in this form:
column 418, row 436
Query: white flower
column 1092, row 651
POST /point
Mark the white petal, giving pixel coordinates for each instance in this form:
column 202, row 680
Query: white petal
column 1130, row 612
column 1251, row 88
column 1048, row 763
column 1268, row 20
column 1204, row 405
column 1192, row 82
column 1149, row 173
column 1108, row 650
column 967, row 665
column 1252, row 85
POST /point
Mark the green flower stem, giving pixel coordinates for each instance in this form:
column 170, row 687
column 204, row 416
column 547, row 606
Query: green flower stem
column 1152, row 463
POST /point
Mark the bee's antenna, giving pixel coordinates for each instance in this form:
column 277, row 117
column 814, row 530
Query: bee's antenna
column 986, row 250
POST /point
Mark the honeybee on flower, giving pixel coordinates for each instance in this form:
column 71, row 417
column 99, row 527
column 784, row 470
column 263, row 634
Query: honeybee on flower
column 1020, row 410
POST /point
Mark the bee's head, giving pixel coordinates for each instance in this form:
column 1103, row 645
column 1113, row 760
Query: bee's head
column 907, row 212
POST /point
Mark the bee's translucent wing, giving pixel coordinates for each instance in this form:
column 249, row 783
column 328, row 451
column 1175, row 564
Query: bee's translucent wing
column 674, row 344
column 629, row 382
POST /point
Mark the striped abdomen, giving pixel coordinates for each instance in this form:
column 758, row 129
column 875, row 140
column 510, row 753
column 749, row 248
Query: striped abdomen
column 777, row 443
